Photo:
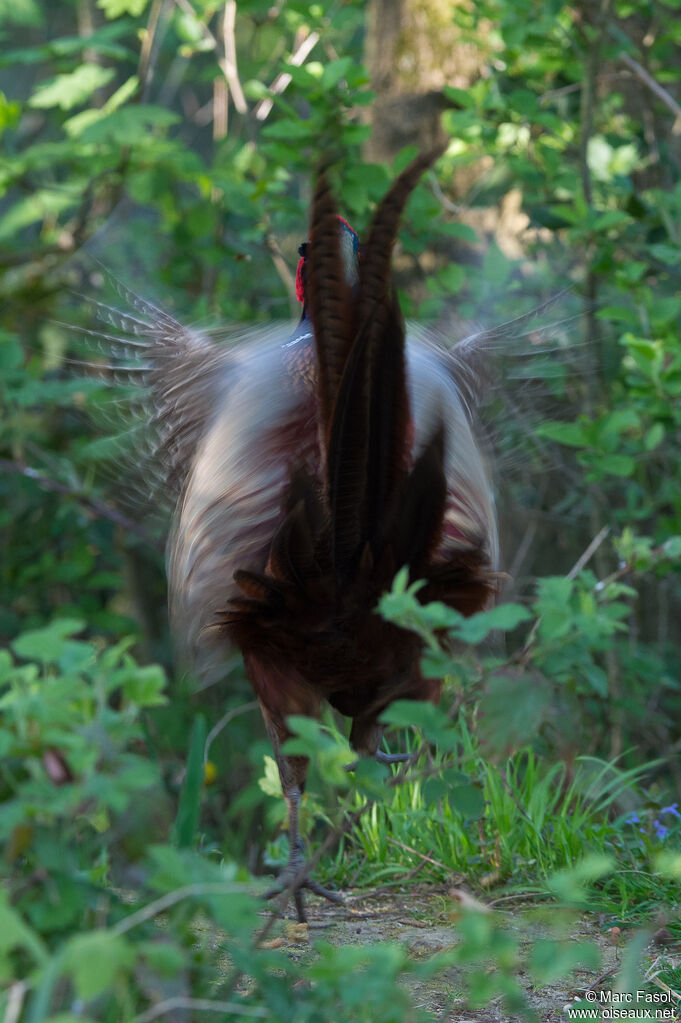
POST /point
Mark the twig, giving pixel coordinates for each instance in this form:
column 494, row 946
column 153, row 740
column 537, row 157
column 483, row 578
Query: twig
column 282, row 268
column 523, row 548
column 370, row 892
column 283, row 79
column 100, row 509
column 625, row 568
column 220, row 111
column 445, row 202
column 145, row 69
column 587, row 105
column 588, row 553
column 159, row 905
column 604, row 976
column 15, row 1001
column 228, row 63
column 565, row 90
column 426, row 859
column 224, row 721
column 650, row 82
column 201, row 1005
column 519, row 897
column 574, row 571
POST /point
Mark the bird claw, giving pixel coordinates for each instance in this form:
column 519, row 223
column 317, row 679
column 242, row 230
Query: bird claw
column 382, row 758
column 287, row 882
column 391, row 758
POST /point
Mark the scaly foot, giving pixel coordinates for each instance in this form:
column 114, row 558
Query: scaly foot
column 294, row 879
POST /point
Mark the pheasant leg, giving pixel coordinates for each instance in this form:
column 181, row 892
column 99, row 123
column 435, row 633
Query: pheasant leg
column 293, row 878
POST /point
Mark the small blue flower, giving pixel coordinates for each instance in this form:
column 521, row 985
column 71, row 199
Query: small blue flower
column 634, row 819
column 673, row 809
column 660, row 830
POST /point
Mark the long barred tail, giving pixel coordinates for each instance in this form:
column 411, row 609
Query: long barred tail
column 375, row 504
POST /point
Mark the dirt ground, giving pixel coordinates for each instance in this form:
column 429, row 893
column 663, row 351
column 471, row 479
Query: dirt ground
column 424, row 920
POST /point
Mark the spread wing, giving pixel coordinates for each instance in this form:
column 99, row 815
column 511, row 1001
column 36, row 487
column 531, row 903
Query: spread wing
column 167, row 382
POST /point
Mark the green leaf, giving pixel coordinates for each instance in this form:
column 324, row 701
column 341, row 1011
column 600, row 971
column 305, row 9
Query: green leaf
column 162, row 956
column 48, row 644
column 126, row 126
column 572, row 434
column 451, row 279
column 436, row 663
column 496, row 267
column 654, row 436
column 512, row 709
column 468, row 800
column 116, row 8
column 569, row 885
column 611, row 218
column 335, row 71
column 47, row 202
column 618, row 314
column 478, row 626
column 616, row 465
column 9, row 113
column 270, row 782
column 369, row 777
column 144, row 685
column 596, row 677
column 70, row 90
column 189, row 811
column 668, row 254
column 21, row 12
column 102, row 40
column 11, row 353
column 460, row 97
column 95, row 959
column 551, row 960
column 70, row 1017
column 15, row 933
column 463, row 231
column 433, row 721
column 672, row 548
column 290, row 130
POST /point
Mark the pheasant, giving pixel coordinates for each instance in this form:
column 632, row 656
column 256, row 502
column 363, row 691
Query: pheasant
column 309, row 469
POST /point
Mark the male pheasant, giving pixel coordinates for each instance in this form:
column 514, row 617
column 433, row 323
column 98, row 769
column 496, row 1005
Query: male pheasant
column 310, row 468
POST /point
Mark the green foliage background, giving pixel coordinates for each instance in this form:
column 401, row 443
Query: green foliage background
column 125, row 134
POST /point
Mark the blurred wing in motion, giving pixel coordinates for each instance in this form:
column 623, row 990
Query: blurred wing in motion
column 175, row 379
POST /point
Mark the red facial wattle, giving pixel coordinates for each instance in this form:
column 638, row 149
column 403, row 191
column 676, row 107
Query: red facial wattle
column 300, row 271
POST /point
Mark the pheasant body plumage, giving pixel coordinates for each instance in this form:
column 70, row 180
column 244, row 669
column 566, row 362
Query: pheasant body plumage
column 310, row 471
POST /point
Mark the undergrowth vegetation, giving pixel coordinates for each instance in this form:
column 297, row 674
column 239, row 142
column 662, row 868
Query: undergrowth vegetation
column 136, row 809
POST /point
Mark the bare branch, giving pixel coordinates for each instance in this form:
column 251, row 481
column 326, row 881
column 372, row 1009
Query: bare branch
column 588, row 553
column 651, row 84
column 145, row 70
column 282, row 81
column 228, row 63
column 574, row 571
column 201, row 1005
column 224, row 721
column 282, row 268
column 188, row 891
column 100, row 509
